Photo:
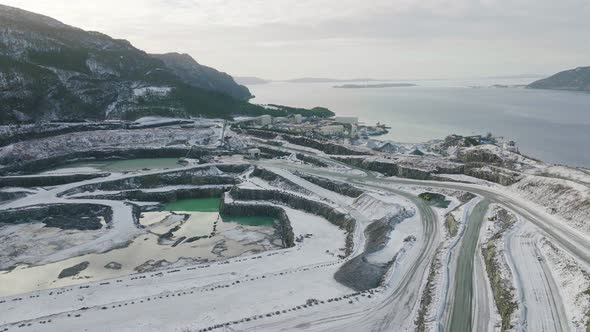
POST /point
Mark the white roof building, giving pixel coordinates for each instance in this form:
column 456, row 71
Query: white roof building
column 331, row 130
column 265, row 120
column 254, row 153
column 510, row 146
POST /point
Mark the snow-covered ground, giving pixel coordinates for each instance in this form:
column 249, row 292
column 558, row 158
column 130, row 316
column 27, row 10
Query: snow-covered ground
column 147, row 253
column 241, row 279
column 540, row 303
column 298, row 274
column 566, row 198
column 573, row 279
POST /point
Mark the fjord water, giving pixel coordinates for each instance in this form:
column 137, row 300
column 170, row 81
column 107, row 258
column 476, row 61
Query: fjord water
column 553, row 126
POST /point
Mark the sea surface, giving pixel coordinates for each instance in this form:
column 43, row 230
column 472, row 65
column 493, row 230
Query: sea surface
column 553, row 126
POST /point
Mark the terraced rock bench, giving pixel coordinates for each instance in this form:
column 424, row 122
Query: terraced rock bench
column 333, row 215
column 65, row 216
column 202, row 175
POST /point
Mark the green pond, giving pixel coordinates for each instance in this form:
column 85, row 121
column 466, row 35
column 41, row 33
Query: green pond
column 194, row 204
column 212, row 205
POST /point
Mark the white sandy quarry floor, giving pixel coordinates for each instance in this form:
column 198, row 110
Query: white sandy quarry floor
column 242, row 281
column 144, row 249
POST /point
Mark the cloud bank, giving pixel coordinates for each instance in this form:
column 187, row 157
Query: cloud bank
column 346, row 38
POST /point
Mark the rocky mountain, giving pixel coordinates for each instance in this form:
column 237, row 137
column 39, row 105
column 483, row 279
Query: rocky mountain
column 52, row 71
column 197, row 75
column 575, row 79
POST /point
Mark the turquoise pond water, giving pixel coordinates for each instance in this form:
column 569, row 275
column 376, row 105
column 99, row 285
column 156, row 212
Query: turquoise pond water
column 212, row 205
column 194, row 204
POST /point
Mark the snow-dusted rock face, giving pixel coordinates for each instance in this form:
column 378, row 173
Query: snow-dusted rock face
column 103, row 144
column 197, row 75
column 51, row 71
column 413, row 167
column 565, row 198
column 574, row 280
column 374, row 208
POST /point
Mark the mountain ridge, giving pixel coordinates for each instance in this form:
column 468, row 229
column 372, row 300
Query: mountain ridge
column 577, row 79
column 201, row 76
column 52, row 71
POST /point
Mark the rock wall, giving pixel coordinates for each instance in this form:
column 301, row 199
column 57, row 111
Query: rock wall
column 342, row 188
column 387, row 168
column 360, row 273
column 13, row 133
column 311, row 160
column 64, row 216
column 482, row 171
column 324, row 146
column 11, row 195
column 261, row 133
column 193, row 176
column 479, row 156
column 46, row 180
column 283, row 226
column 491, row 173
column 271, row 153
column 164, row 196
column 27, row 167
column 279, row 181
column 334, row 216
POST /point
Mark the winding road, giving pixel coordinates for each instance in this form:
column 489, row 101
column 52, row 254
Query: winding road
column 460, row 320
column 540, row 304
column 464, row 275
column 395, row 308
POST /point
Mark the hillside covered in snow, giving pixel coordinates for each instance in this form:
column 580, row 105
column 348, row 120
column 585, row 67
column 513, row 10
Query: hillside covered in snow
column 52, row 71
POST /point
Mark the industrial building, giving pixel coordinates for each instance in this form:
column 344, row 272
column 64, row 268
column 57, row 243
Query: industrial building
column 331, row 130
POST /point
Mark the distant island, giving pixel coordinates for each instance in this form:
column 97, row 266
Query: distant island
column 574, row 80
column 330, row 80
column 507, row 86
column 249, row 80
column 374, row 86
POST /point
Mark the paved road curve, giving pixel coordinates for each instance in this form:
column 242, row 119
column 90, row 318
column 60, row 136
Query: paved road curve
column 461, row 306
column 576, row 243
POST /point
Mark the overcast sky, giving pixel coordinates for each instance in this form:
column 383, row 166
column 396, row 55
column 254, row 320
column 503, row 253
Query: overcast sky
column 396, row 39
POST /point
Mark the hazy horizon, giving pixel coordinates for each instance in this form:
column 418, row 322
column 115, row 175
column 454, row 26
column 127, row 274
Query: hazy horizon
column 395, row 39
